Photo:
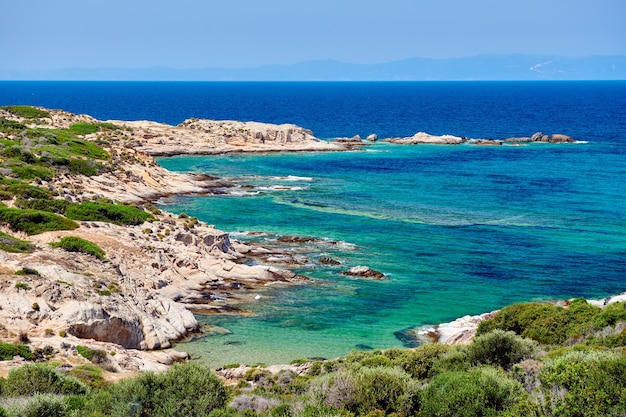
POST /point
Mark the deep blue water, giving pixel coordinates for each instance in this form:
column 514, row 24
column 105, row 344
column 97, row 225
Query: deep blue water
column 457, row 229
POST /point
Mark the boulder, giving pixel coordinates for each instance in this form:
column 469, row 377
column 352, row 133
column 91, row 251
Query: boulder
column 364, row 272
column 328, row 261
column 372, row 138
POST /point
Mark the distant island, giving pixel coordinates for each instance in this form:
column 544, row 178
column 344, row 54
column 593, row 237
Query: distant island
column 481, row 68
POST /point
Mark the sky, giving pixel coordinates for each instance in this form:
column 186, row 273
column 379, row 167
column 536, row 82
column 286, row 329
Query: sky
column 54, row 34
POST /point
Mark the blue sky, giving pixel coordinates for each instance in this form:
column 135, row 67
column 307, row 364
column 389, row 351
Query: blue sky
column 44, row 34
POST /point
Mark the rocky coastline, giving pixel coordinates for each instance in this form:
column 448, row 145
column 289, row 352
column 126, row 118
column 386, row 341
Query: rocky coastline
column 140, row 299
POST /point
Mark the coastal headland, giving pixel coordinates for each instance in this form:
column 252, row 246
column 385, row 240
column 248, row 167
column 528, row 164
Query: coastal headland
column 139, row 296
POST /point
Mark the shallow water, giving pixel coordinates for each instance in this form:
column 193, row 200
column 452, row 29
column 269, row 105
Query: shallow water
column 457, row 230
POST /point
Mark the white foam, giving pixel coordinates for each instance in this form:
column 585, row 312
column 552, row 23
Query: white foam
column 292, row 178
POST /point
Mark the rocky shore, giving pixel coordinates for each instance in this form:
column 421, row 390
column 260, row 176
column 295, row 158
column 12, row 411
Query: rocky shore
column 141, row 297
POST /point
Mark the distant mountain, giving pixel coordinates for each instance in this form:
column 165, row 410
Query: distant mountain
column 481, row 67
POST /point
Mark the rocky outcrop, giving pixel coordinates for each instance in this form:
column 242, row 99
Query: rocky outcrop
column 540, row 137
column 425, row 138
column 486, row 142
column 364, row 272
column 209, row 137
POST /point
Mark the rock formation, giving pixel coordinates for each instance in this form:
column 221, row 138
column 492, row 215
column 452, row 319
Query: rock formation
column 364, row 272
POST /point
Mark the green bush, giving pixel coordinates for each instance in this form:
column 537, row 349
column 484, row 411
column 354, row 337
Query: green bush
column 22, row 189
column 84, row 128
column 113, row 213
column 479, row 392
column 7, row 125
column 85, row 352
column 77, row 244
column 32, row 171
column 84, row 167
column 34, row 221
column 8, row 351
column 39, row 378
column 27, row 112
column 500, row 348
column 186, row 389
column 52, row 205
column 585, row 383
column 545, row 323
column 89, row 374
column 363, row 390
column 41, row 405
column 9, row 243
column 419, row 362
column 88, row 128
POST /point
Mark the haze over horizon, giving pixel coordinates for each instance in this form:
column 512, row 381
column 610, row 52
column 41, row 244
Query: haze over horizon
column 192, row 34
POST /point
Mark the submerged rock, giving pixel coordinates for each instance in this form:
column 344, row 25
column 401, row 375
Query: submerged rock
column 364, row 272
column 328, row 261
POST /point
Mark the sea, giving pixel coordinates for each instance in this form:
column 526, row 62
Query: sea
column 456, row 230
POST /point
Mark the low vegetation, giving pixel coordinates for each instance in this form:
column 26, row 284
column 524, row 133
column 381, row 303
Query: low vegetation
column 27, row 112
column 9, row 243
column 502, row 374
column 77, row 244
column 113, row 213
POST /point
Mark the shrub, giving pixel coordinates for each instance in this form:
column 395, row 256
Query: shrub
column 89, row 374
column 419, row 362
column 84, row 128
column 39, row 378
column 77, row 244
column 84, row 167
column 254, row 403
column 187, row 389
column 363, row 390
column 25, row 271
column 32, row 171
column 88, row 128
column 8, row 351
column 27, row 112
column 113, row 213
column 585, row 383
column 41, row 405
column 479, row 392
column 7, row 125
column 500, row 348
column 53, row 205
column 34, row 221
column 21, row 189
column 545, row 323
column 22, row 285
column 85, row 352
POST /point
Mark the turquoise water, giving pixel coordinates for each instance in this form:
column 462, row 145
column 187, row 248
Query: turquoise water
column 457, row 230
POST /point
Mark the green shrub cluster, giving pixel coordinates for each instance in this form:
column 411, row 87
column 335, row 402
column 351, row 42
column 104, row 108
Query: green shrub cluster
column 34, row 221
column 77, row 244
column 27, row 112
column 89, row 128
column 104, row 212
column 31, row 379
column 8, row 351
column 185, row 390
column 556, row 325
column 9, row 243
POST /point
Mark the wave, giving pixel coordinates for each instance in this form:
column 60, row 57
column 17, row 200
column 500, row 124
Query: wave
column 292, row 178
column 280, row 188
